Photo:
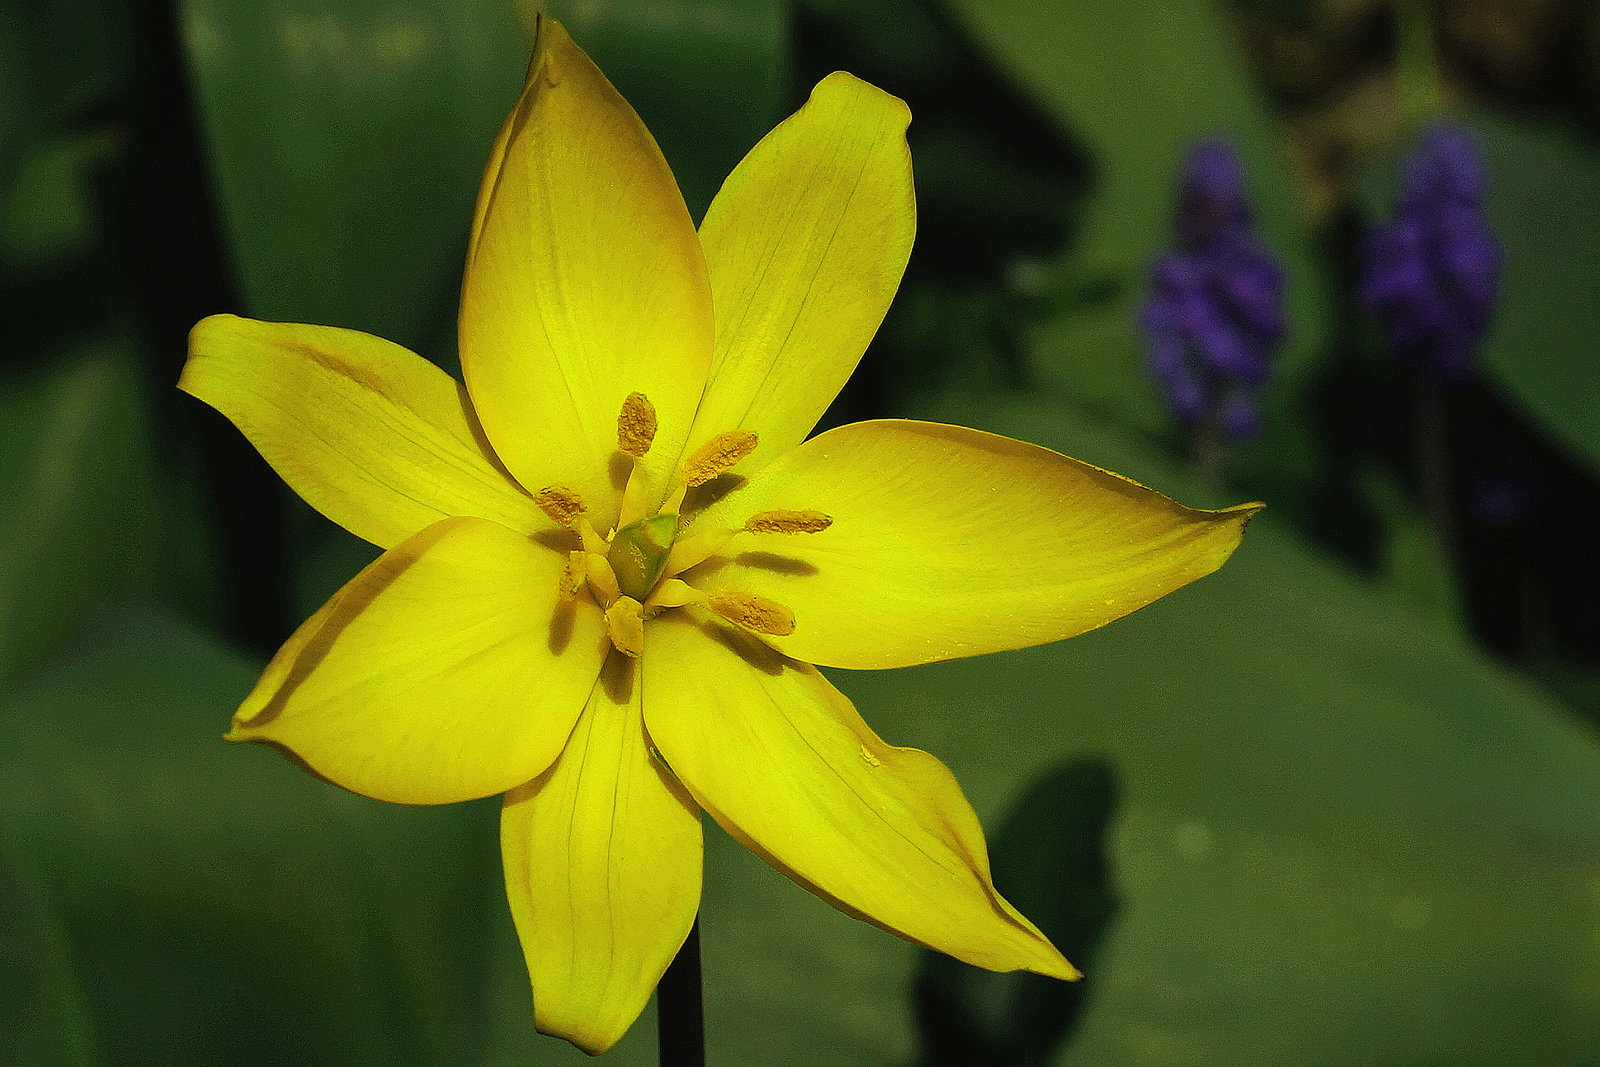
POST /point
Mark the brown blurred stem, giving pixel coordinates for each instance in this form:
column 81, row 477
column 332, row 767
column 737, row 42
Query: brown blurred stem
column 1433, row 464
column 1206, row 447
column 680, row 1017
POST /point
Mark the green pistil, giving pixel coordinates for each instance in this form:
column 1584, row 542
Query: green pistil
column 638, row 554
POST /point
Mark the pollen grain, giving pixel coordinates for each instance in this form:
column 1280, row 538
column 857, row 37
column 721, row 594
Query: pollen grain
column 560, row 503
column 717, row 456
column 788, row 522
column 636, row 425
column 753, row 612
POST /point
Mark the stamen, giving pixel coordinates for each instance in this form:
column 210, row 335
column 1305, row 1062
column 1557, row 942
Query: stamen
column 636, row 425
column 560, row 503
column 694, row 550
column 788, row 522
column 625, row 625
column 672, row 593
column 752, row 611
column 572, row 578
column 602, row 579
column 592, row 541
column 635, row 498
column 717, row 455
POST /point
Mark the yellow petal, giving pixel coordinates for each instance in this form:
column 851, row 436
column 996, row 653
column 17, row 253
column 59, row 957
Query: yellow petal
column 370, row 434
column 806, row 243
column 585, row 283
column 602, row 859
column 444, row 671
column 781, row 759
column 951, row 542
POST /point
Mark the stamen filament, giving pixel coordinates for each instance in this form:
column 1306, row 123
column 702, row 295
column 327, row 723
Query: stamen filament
column 602, row 579
column 592, row 541
column 672, row 593
column 635, row 498
column 691, row 551
column 674, row 501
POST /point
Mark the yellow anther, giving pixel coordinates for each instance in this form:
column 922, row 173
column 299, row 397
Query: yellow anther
column 752, row 611
column 560, row 503
column 572, row 578
column 672, row 593
column 625, row 625
column 717, row 455
column 636, row 425
column 788, row 522
column 601, row 578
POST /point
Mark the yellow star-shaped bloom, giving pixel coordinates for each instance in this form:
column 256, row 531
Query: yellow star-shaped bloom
column 612, row 558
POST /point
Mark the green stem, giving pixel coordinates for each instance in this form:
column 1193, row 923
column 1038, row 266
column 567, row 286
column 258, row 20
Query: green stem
column 680, row 1018
column 1417, row 64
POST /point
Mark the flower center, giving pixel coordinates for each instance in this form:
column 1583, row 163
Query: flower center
column 631, row 573
column 638, row 554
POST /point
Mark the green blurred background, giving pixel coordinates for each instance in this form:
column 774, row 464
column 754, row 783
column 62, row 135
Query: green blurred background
column 1337, row 804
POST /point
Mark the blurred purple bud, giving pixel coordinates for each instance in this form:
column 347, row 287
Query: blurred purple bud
column 1432, row 272
column 1214, row 312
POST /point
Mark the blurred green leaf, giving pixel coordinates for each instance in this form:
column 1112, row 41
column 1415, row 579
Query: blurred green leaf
column 45, row 215
column 346, row 143
column 1140, row 82
column 1048, row 856
column 1346, row 836
column 75, row 53
column 17, row 122
column 1544, row 196
column 1413, row 569
column 707, row 76
column 44, row 1011
column 75, row 468
column 210, row 904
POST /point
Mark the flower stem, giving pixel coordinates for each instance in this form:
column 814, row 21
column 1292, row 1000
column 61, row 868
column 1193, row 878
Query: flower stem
column 1433, row 465
column 1206, row 450
column 679, row 1011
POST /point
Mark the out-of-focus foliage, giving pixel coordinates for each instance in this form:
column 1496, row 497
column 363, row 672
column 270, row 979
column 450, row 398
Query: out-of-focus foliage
column 1339, row 831
column 346, row 141
column 171, row 899
column 708, row 76
column 76, row 469
column 1545, row 344
column 1140, row 82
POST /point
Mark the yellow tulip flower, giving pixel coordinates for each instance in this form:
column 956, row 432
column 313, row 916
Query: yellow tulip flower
column 613, row 557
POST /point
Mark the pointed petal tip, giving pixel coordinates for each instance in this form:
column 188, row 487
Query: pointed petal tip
column 1059, row 967
column 842, row 82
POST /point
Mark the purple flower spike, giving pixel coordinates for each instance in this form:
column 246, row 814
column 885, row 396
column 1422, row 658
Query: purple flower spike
column 1214, row 313
column 1432, row 271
